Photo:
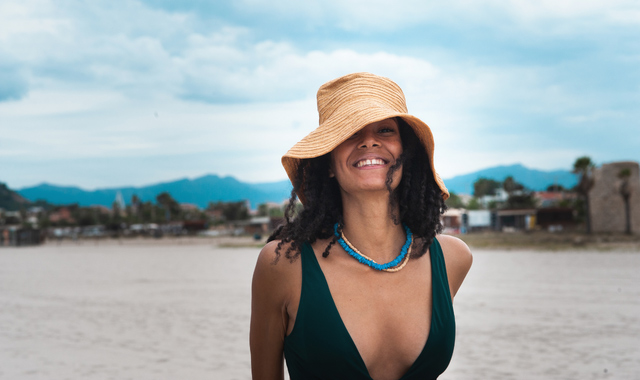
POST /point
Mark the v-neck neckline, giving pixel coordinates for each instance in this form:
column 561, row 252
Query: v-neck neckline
column 346, row 331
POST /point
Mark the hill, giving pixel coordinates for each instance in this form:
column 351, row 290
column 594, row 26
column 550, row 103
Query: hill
column 533, row 179
column 199, row 191
column 10, row 200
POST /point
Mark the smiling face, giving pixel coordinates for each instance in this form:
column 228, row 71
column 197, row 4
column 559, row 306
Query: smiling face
column 361, row 163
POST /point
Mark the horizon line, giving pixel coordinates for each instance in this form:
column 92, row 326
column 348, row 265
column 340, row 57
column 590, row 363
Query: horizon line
column 116, row 187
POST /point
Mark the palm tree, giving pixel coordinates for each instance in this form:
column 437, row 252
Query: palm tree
column 584, row 168
column 169, row 204
column 625, row 192
column 509, row 185
column 519, row 197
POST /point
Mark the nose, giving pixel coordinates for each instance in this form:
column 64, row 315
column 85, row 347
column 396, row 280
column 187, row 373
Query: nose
column 368, row 138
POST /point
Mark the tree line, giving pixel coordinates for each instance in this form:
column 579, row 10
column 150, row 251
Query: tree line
column 164, row 209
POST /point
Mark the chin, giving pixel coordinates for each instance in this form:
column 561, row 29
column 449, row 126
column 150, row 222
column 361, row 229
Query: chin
column 376, row 186
column 369, row 183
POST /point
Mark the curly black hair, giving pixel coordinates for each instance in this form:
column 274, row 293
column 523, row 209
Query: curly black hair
column 417, row 199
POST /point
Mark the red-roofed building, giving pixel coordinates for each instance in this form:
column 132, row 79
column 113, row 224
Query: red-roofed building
column 63, row 214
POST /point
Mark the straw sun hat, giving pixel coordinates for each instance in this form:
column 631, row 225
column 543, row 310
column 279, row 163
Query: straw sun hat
column 348, row 104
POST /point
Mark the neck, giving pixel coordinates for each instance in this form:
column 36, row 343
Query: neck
column 369, row 227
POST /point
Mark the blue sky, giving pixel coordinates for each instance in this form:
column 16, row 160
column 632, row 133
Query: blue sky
column 103, row 93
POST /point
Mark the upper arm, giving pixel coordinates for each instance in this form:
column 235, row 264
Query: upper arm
column 458, row 260
column 269, row 297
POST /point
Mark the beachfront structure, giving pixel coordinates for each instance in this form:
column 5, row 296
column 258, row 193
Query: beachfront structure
column 480, row 220
column 452, row 220
column 550, row 218
column 256, row 225
column 10, row 217
column 17, row 236
column 555, row 218
column 518, row 219
column 606, row 205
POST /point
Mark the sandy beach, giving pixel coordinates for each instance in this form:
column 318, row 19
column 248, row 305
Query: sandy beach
column 180, row 310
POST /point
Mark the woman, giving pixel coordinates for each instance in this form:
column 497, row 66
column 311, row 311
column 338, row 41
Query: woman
column 356, row 285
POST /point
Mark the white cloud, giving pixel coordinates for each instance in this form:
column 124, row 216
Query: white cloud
column 229, row 135
column 164, row 54
column 28, row 17
column 98, row 72
column 543, row 16
column 270, row 71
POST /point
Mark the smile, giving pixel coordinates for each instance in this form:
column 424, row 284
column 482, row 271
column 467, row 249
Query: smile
column 370, row 162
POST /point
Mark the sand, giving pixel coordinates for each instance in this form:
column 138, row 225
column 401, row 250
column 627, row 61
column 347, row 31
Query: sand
column 177, row 310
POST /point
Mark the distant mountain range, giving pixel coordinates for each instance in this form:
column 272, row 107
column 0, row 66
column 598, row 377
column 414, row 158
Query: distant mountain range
column 532, row 179
column 212, row 188
column 199, row 191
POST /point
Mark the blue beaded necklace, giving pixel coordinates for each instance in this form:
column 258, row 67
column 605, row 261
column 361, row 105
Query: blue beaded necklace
column 389, row 267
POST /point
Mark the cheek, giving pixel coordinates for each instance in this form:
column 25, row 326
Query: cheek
column 338, row 157
column 398, row 149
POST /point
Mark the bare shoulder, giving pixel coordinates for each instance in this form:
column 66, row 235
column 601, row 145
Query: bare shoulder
column 455, row 250
column 276, row 274
column 273, row 262
column 458, row 259
column 276, row 280
column 268, row 255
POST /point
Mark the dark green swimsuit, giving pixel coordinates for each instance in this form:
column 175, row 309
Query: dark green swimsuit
column 320, row 347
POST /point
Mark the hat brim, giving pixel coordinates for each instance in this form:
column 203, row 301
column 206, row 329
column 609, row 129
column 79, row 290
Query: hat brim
column 335, row 130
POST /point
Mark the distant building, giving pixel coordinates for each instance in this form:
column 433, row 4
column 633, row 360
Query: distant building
column 189, row 207
column 500, row 196
column 555, row 218
column 517, row 219
column 35, row 210
column 465, row 198
column 479, row 219
column 552, row 198
column 11, row 218
column 215, row 215
column 101, row 209
column 63, row 214
column 18, row 236
column 256, row 225
column 606, row 205
column 452, row 220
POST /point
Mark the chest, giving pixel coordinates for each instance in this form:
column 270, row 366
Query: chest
column 387, row 315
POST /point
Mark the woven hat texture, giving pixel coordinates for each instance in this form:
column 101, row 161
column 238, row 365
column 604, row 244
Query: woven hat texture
column 348, row 104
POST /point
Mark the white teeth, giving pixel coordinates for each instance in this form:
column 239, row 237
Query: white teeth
column 369, row 162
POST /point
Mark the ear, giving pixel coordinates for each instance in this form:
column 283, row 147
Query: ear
column 331, row 173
